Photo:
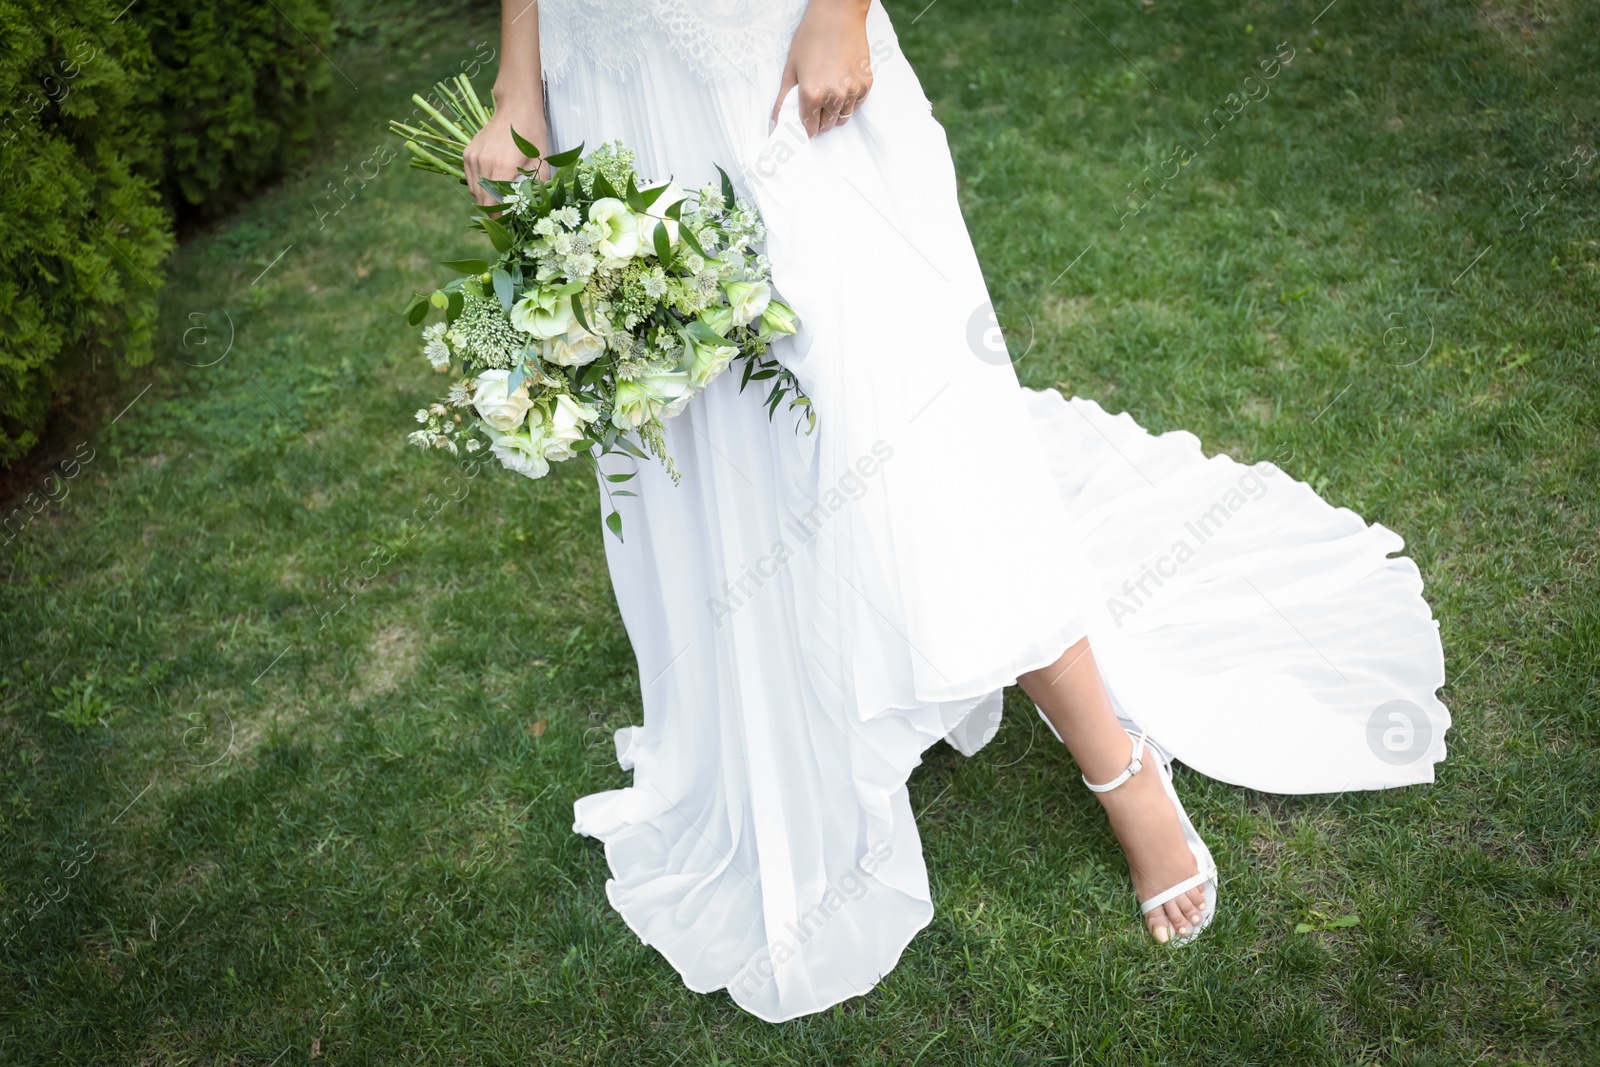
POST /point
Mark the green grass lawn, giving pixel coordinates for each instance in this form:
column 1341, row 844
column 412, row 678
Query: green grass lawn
column 268, row 799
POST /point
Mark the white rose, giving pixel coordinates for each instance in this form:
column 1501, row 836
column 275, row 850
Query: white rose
column 576, row 348
column 566, row 427
column 647, row 221
column 707, row 361
column 542, row 313
column 503, row 409
column 747, row 300
column 522, row 453
column 619, row 231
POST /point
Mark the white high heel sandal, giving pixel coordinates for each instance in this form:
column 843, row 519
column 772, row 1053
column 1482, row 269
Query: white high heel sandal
column 1207, row 875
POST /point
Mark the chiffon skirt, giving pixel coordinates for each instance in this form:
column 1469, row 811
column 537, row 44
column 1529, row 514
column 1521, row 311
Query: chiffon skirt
column 810, row 612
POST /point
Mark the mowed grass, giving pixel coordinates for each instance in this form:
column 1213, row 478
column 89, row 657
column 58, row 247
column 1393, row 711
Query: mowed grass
column 292, row 722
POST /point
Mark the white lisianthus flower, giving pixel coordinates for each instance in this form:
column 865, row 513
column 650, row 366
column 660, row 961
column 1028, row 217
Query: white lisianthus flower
column 542, row 313
column 705, row 362
column 778, row 318
column 619, row 230
column 655, row 395
column 647, row 221
column 575, row 348
column 566, row 427
column 720, row 319
column 522, row 452
column 747, row 300
column 502, row 408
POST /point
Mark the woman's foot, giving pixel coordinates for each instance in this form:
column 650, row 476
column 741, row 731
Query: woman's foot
column 1147, row 826
column 1073, row 699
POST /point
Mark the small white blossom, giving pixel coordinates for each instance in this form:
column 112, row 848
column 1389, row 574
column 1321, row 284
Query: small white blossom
column 655, row 283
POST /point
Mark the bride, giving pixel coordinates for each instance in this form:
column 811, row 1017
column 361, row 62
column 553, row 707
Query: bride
column 810, row 612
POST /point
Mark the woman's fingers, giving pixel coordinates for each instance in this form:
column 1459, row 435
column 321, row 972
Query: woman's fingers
column 820, row 108
column 825, row 109
column 789, row 82
column 493, row 153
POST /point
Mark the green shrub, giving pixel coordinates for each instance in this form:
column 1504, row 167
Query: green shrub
column 236, row 84
column 82, row 231
column 110, row 117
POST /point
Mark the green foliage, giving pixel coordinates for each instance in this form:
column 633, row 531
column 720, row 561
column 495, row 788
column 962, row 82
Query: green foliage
column 235, row 88
column 101, row 114
column 81, row 230
column 78, row 705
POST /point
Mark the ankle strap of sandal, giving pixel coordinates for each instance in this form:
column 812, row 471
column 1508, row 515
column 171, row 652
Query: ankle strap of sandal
column 1135, row 765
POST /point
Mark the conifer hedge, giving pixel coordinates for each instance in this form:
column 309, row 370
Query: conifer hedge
column 113, row 117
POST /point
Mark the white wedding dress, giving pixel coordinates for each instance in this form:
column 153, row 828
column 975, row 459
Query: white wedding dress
column 811, row 612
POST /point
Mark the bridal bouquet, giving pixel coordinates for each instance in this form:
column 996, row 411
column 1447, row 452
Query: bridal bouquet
column 611, row 303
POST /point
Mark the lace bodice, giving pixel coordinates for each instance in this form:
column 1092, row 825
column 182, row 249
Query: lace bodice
column 717, row 38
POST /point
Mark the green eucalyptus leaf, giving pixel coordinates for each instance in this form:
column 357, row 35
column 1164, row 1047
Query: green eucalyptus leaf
column 634, row 198
column 686, row 234
column 705, row 334
column 602, row 188
column 498, row 234
column 630, row 448
column 562, row 159
column 525, row 146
